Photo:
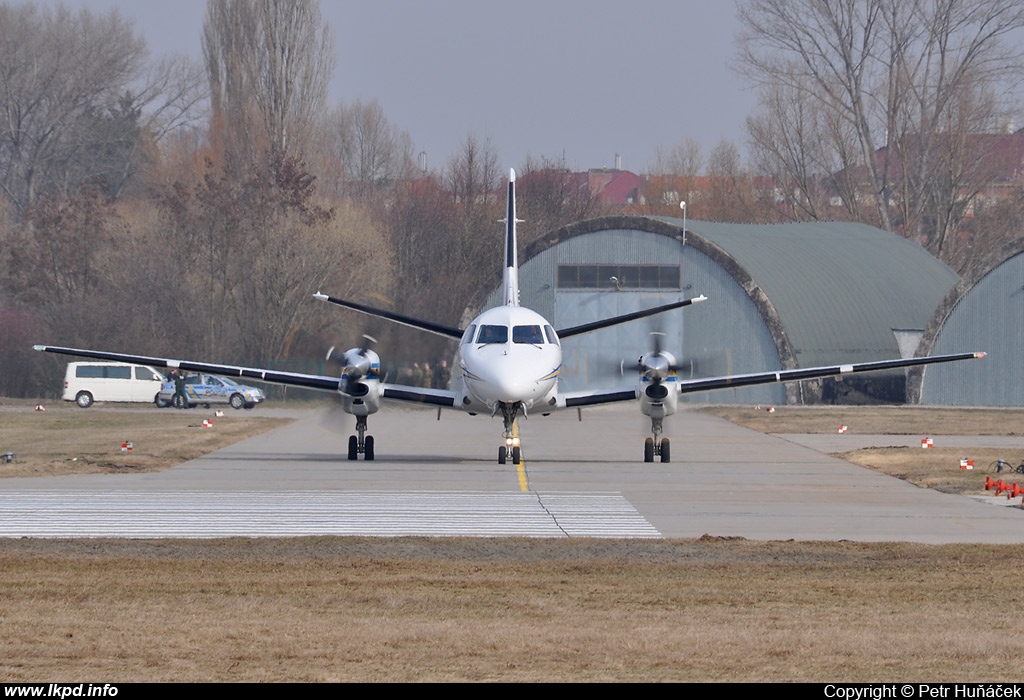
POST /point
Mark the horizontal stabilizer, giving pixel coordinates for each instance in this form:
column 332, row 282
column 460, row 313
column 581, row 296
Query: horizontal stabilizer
column 401, row 319
column 625, row 318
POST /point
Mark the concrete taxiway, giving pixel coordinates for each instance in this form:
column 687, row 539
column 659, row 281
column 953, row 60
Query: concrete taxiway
column 578, row 479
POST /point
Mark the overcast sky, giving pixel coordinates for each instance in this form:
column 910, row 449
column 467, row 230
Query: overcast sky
column 579, row 79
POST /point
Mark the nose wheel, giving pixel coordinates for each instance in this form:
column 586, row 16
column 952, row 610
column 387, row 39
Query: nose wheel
column 511, row 448
column 361, row 444
column 655, row 448
column 514, row 452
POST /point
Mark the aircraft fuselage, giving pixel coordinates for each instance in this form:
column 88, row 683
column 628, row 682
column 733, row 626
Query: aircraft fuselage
column 509, row 355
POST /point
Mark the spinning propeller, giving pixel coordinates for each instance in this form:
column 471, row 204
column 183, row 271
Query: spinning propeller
column 655, row 365
column 356, row 363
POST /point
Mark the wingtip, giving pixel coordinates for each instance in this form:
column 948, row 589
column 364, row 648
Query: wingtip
column 39, row 348
column 511, row 174
column 320, row 296
column 979, row 355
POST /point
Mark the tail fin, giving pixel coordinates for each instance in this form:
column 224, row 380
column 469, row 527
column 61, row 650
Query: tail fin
column 511, row 279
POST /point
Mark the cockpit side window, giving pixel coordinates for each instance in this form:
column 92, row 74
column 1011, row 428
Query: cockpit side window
column 467, row 337
column 493, row 334
column 527, row 334
column 552, row 336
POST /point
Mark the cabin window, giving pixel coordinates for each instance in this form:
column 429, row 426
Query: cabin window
column 531, row 335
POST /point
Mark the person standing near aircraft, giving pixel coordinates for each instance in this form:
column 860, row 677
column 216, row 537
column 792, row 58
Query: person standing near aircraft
column 180, row 399
column 442, row 375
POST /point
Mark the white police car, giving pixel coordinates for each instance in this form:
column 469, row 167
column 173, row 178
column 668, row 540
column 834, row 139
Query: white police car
column 208, row 389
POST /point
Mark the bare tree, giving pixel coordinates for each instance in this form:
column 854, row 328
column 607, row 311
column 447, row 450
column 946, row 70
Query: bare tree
column 473, row 174
column 550, row 196
column 59, row 265
column 684, row 159
column 269, row 63
column 673, row 177
column 803, row 147
column 60, row 75
column 908, row 80
column 369, row 150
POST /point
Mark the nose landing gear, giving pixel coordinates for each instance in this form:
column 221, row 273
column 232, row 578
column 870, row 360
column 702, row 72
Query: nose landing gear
column 652, row 446
column 511, row 448
column 361, row 445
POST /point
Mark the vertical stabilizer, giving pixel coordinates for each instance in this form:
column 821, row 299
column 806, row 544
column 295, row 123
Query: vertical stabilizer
column 511, row 279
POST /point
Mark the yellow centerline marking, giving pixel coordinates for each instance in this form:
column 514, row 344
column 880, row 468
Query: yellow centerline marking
column 524, row 483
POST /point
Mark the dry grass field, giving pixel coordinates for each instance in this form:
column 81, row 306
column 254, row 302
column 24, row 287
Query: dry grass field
column 930, row 468
column 419, row 609
column 415, row 609
column 65, row 439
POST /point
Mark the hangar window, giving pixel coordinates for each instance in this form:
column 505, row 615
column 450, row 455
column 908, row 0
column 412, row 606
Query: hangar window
column 618, row 277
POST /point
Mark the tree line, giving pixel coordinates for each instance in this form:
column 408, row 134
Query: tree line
column 173, row 207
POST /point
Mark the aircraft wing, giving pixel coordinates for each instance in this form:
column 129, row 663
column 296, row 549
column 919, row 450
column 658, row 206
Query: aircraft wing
column 688, row 386
column 576, row 399
column 415, row 394
column 307, row 381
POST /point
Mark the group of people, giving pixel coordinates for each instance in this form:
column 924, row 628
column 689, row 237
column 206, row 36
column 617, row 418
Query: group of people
column 436, row 377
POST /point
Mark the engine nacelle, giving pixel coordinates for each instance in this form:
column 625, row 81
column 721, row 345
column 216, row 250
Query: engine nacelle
column 359, row 387
column 351, row 387
column 656, row 392
column 360, row 362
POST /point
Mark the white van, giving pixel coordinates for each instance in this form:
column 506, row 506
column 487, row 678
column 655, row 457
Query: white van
column 86, row 382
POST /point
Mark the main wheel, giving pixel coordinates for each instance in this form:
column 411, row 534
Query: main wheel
column 84, row 399
column 517, row 455
column 666, row 451
column 649, row 450
column 237, row 401
column 353, row 448
column 368, row 448
column 502, row 454
column 160, row 403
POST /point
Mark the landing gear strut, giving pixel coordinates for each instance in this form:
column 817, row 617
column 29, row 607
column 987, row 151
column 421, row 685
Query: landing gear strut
column 361, row 445
column 652, row 447
column 511, row 447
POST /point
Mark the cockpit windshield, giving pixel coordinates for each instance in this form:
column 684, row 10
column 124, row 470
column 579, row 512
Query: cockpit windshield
column 492, row 334
column 527, row 334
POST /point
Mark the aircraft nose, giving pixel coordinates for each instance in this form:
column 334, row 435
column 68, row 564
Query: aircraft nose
column 509, row 388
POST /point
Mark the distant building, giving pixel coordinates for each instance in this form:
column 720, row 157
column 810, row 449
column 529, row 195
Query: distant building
column 780, row 297
column 993, row 170
column 984, row 313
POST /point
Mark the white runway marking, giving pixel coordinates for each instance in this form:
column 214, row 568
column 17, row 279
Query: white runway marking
column 193, row 514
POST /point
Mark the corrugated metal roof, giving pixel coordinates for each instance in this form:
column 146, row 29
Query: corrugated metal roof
column 985, row 313
column 840, row 289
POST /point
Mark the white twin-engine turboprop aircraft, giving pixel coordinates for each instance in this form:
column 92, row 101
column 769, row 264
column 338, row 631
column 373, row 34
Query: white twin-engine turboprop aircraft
column 510, row 358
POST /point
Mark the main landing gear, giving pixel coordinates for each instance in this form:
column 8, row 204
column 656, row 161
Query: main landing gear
column 652, row 447
column 511, row 448
column 361, row 445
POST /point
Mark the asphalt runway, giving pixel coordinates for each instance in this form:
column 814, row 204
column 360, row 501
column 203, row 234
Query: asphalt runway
column 578, row 479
